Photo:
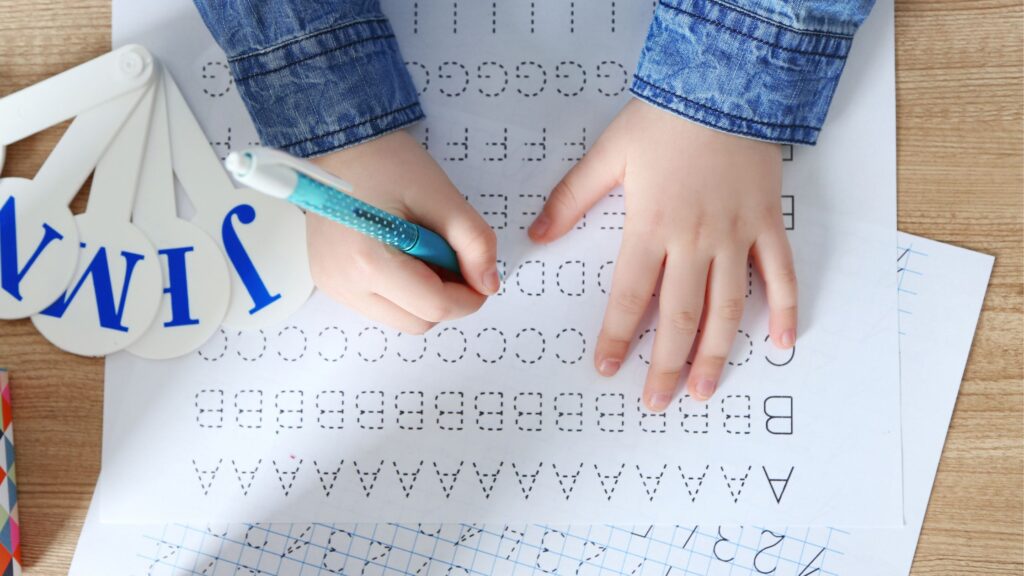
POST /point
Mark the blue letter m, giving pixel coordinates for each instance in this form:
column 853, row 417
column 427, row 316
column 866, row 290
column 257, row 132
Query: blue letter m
column 109, row 312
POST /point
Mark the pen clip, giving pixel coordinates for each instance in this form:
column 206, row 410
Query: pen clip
column 264, row 155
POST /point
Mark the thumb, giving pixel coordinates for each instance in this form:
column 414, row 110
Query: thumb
column 587, row 182
column 472, row 238
column 477, row 248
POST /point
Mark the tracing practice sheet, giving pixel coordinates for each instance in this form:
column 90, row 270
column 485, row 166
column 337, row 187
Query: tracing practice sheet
column 941, row 291
column 501, row 417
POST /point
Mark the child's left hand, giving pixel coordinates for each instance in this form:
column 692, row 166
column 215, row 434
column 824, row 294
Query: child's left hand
column 698, row 203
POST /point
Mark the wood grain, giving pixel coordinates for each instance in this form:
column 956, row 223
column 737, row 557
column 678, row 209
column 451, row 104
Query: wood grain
column 961, row 179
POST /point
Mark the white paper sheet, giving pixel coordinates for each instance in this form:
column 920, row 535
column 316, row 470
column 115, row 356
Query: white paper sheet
column 501, row 417
column 941, row 291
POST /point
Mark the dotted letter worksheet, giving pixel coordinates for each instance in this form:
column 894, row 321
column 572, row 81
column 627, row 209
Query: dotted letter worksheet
column 501, row 417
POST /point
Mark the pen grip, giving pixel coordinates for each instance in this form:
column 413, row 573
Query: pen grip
column 410, row 238
column 365, row 218
column 433, row 249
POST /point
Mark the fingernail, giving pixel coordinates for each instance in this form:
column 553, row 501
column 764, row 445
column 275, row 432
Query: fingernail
column 491, row 281
column 659, row 401
column 705, row 388
column 609, row 367
column 788, row 339
column 540, row 226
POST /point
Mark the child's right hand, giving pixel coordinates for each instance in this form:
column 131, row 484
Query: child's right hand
column 396, row 174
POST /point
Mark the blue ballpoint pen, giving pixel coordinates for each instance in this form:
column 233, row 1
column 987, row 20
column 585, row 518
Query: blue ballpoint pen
column 283, row 176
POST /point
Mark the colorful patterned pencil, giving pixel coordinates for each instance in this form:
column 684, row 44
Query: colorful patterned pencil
column 10, row 531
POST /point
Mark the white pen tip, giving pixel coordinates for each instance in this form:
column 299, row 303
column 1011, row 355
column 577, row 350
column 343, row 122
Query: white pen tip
column 238, row 163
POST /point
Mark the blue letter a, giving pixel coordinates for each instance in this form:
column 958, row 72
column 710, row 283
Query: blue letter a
column 10, row 274
column 109, row 312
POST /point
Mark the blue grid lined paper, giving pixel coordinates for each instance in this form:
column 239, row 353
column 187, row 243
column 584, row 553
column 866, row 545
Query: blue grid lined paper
column 908, row 268
column 469, row 549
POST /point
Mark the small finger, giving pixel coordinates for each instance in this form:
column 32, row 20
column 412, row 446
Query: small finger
column 636, row 272
column 587, row 182
column 412, row 285
column 680, row 306
column 384, row 311
column 726, row 298
column 774, row 258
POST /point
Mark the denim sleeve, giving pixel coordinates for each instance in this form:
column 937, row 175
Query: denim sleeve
column 764, row 69
column 316, row 75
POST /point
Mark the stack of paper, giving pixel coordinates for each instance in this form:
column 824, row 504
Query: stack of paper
column 496, row 426
column 941, row 290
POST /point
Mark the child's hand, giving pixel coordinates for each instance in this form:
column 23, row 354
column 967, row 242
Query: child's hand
column 698, row 202
column 396, row 174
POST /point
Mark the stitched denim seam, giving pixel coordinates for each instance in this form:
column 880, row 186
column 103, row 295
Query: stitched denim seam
column 361, row 139
column 351, row 126
column 748, row 36
column 828, row 104
column 708, row 123
column 317, row 55
column 767, row 20
column 289, row 42
column 722, row 112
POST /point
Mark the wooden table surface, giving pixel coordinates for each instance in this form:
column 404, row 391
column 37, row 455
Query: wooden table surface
column 961, row 180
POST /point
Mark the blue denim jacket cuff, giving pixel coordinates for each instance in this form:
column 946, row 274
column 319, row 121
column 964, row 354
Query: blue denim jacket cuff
column 739, row 72
column 328, row 89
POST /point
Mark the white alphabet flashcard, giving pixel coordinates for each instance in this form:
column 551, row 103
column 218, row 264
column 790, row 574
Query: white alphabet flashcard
column 39, row 239
column 129, row 273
